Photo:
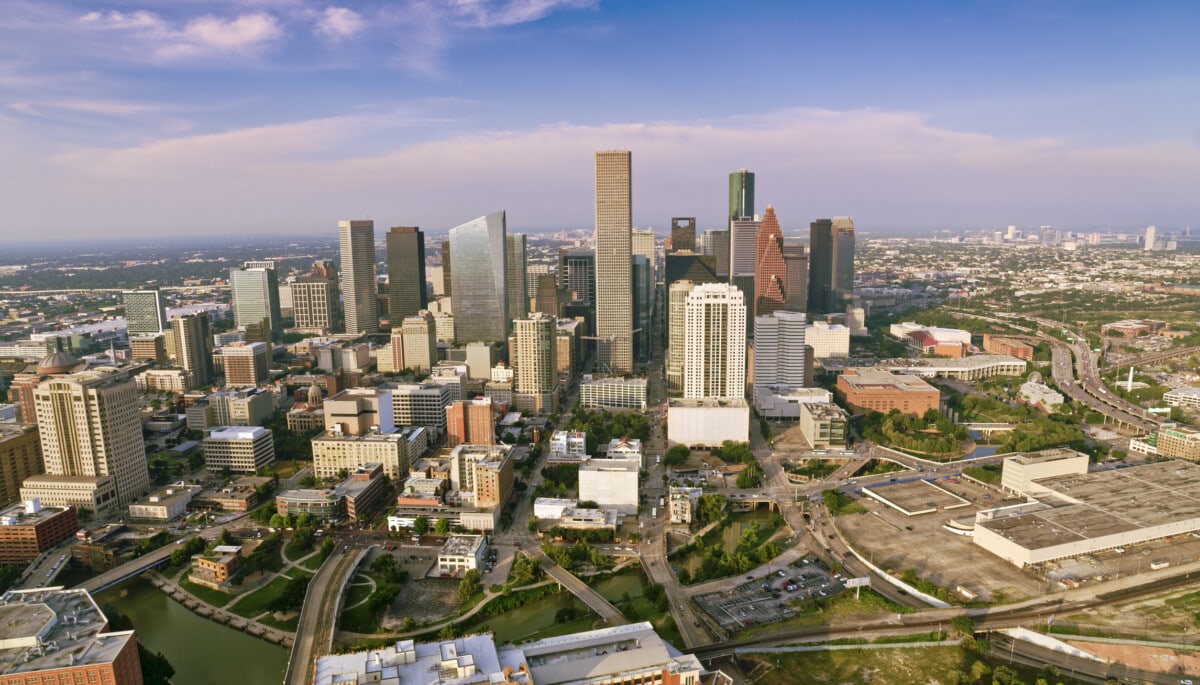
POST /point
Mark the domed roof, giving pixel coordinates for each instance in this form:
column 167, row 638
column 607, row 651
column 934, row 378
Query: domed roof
column 314, row 395
column 59, row 362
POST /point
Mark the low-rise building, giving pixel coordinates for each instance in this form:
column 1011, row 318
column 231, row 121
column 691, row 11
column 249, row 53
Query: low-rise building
column 334, row 451
column 783, row 402
column 708, row 422
column 611, row 483
column 551, row 508
column 353, row 498
column 53, row 635
column 827, row 340
column 1177, row 442
column 972, row 368
column 239, row 449
column 629, row 449
column 242, row 494
column 682, row 504
column 462, row 553
column 613, row 393
column 998, row 344
column 1021, row 470
column 1183, row 397
column 214, row 569
column 824, row 425
column 875, row 389
column 27, row 529
column 568, row 446
column 97, row 494
column 164, row 380
column 165, row 503
column 1037, row 394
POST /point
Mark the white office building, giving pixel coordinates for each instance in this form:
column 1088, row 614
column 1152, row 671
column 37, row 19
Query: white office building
column 779, row 349
column 611, row 483
column 714, row 363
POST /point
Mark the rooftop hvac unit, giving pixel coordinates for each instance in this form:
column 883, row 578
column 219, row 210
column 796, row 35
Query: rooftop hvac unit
column 33, row 506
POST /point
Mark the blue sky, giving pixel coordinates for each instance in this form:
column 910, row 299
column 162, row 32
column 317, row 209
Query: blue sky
column 270, row 116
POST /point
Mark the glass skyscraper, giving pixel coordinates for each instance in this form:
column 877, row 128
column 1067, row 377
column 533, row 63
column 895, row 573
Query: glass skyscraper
column 741, row 195
column 477, row 249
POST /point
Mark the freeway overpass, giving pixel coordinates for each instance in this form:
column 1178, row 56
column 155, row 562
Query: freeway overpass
column 1153, row 358
column 128, row 570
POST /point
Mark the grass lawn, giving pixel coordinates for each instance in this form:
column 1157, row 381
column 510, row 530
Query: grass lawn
column 256, row 602
column 356, row 594
column 359, row 619
column 812, row 613
column 204, row 594
column 287, row 626
column 313, row 563
column 297, row 556
column 298, row 573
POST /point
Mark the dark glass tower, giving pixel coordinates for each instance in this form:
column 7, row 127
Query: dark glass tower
column 741, row 194
column 406, row 272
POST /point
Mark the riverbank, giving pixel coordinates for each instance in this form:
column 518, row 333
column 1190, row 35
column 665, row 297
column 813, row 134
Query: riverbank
column 218, row 615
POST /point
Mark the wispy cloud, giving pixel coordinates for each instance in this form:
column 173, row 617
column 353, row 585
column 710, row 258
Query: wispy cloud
column 889, row 169
column 491, row 14
column 201, row 36
column 339, row 23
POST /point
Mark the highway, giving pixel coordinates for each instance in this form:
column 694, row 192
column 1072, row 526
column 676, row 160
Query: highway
column 319, row 614
column 1154, row 357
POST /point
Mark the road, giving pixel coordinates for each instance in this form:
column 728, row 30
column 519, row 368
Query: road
column 140, row 564
column 318, row 617
column 1153, row 358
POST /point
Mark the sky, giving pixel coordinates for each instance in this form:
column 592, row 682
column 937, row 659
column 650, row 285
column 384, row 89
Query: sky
column 253, row 117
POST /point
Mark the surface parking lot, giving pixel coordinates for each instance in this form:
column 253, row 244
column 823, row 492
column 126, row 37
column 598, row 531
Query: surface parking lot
column 766, row 599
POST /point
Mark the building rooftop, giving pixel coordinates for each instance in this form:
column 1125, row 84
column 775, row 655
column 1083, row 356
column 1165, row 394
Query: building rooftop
column 604, row 654
column 462, row 545
column 1044, row 456
column 1183, row 392
column 706, row 402
column 876, row 378
column 617, row 381
column 471, row 659
column 975, row 361
column 27, row 514
column 169, row 494
column 51, row 628
column 237, row 433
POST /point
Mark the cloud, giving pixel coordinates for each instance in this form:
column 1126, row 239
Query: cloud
column 340, row 22
column 206, row 35
column 490, row 14
column 888, row 169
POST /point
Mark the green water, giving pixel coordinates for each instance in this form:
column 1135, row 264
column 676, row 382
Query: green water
column 614, row 588
column 533, row 618
column 202, row 652
column 730, row 536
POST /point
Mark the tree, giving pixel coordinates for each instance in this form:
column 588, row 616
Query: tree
column 963, row 624
column 278, row 521
column 468, row 586
column 711, row 508
column 420, row 525
column 442, row 527
column 292, row 596
column 676, row 455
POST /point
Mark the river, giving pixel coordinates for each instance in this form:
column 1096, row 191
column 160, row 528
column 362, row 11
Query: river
column 202, row 652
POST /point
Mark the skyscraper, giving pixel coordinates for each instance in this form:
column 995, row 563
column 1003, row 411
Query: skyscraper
column 356, row 238
column 535, row 366
column 1151, row 236
column 741, row 194
column 642, row 290
column 480, row 280
column 315, row 304
column 643, row 242
column 256, row 296
column 145, row 312
column 516, row 279
column 577, row 273
column 716, row 245
column 683, row 233
column 89, row 424
column 830, row 264
column 779, row 351
column 677, row 331
column 769, row 269
column 795, row 279
column 743, row 244
column 447, row 281
column 614, row 226
column 406, row 272
column 714, row 363
column 193, row 346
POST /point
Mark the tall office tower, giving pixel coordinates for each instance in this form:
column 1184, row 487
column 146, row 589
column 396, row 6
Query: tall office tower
column 769, row 270
column 356, row 238
column 642, row 284
column 90, row 425
column 642, row 242
column 406, row 272
column 714, row 356
column 481, row 280
column 20, row 458
column 716, row 245
column 743, row 243
column 145, row 312
column 193, row 346
column 447, row 281
column 741, row 195
column 517, row 279
column 1151, row 236
column 315, row 305
column 683, row 233
column 470, row 422
column 535, row 363
column 256, row 297
column 577, row 274
column 547, row 296
column 244, row 364
column 795, row 279
column 676, row 331
column 779, row 351
column 419, row 337
column 614, row 226
column 831, row 264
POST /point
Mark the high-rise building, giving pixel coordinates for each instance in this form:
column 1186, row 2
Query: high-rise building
column 447, row 281
column 716, row 245
column 535, row 363
column 483, row 474
column 90, row 426
column 1151, row 237
column 478, row 249
column 614, row 226
column 577, row 275
column 831, row 264
column 683, row 233
column 356, row 240
column 643, row 243
column 779, row 351
column 193, row 346
column 714, row 363
column 743, row 245
column 642, row 291
column 241, row 450
column 244, row 363
column 516, row 279
column 547, row 296
column 256, row 297
column 419, row 338
column 152, row 347
column 315, row 305
column 470, row 422
column 769, row 269
column 677, row 331
column 145, row 311
column 406, row 271
column 741, row 194
column 795, row 279
column 20, row 458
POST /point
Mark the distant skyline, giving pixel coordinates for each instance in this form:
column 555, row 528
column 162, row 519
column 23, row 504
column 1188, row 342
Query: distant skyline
column 255, row 117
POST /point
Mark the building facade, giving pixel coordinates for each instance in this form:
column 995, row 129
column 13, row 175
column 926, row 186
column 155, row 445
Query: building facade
column 406, row 271
column 614, row 250
column 241, row 450
column 715, row 347
column 479, row 249
column 356, row 242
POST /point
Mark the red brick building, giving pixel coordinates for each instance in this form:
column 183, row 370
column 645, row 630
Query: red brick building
column 27, row 530
column 470, row 422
